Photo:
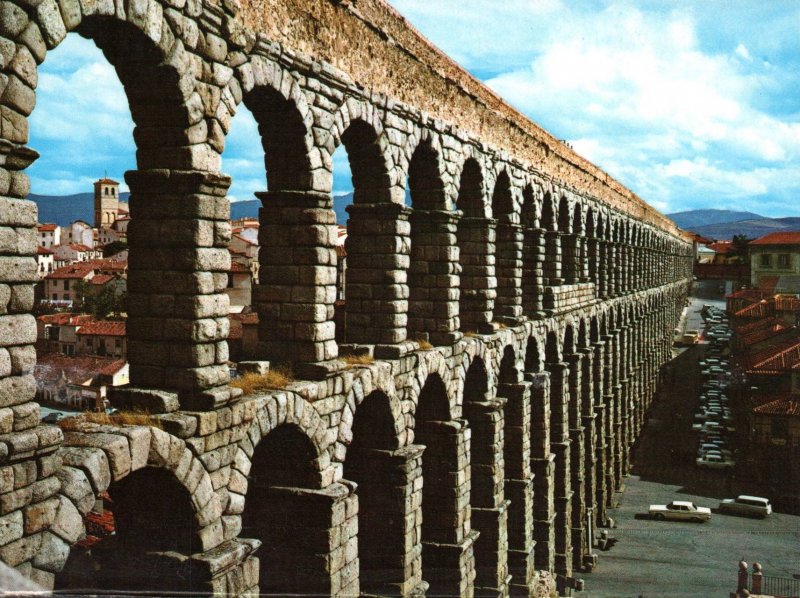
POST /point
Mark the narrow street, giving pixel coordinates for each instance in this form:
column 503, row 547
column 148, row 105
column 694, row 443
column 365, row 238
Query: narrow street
column 670, row 558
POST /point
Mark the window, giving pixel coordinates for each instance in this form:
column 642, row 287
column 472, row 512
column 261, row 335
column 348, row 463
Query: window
column 766, row 260
column 784, row 260
column 55, row 296
column 66, row 285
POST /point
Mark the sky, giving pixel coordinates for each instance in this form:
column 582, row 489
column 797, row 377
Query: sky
column 690, row 104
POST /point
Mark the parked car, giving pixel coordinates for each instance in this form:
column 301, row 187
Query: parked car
column 708, row 448
column 714, row 460
column 682, row 510
column 743, row 504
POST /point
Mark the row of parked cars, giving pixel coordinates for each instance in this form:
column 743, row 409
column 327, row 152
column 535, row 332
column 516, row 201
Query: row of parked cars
column 713, row 419
column 684, row 510
column 714, row 423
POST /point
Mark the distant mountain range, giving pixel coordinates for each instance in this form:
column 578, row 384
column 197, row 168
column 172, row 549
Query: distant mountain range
column 66, row 209
column 714, row 224
column 724, row 224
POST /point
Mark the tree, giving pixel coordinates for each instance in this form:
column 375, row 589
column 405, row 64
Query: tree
column 114, row 248
column 110, row 300
column 740, row 248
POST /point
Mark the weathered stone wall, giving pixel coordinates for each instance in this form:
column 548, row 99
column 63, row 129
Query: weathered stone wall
column 546, row 292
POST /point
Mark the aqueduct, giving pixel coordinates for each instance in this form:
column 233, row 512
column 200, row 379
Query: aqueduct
column 518, row 311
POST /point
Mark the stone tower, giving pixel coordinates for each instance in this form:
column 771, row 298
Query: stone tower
column 106, row 202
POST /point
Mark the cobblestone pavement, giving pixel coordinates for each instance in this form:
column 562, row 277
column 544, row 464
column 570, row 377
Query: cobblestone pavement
column 653, row 558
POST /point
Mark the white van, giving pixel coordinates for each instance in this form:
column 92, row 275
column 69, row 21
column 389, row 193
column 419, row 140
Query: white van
column 755, row 506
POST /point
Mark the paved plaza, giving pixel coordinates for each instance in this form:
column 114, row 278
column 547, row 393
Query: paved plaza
column 669, row 558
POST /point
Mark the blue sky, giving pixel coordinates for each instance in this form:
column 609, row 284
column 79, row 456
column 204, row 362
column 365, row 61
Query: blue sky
column 690, row 104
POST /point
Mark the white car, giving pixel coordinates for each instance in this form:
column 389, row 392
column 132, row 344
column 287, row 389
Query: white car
column 682, row 510
column 714, row 460
column 746, row 505
column 708, row 448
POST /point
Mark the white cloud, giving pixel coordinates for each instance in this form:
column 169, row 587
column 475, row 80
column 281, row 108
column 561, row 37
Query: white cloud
column 742, row 52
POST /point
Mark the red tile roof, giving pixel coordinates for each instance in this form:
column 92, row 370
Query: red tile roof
column 103, row 328
column 65, row 318
column 108, row 264
column 750, row 294
column 47, row 228
column 783, row 303
column 787, row 405
column 78, row 270
column 240, row 268
column 113, row 367
column 777, row 359
column 44, row 251
column 107, row 181
column 779, row 238
column 774, row 327
column 79, row 247
column 762, row 309
column 721, row 246
column 101, row 279
column 78, row 370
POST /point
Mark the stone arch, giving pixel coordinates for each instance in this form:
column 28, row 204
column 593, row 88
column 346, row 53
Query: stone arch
column 549, row 219
column 383, row 509
column 282, row 483
column 376, row 299
column 534, row 356
column 426, row 173
column 371, row 382
column 359, row 128
column 175, row 160
column 120, row 467
column 432, row 363
column 508, row 372
column 432, row 309
column 145, row 54
column 475, row 237
column 564, row 215
column 445, row 502
column 471, row 199
column 503, row 204
column 530, row 211
column 281, row 110
column 569, row 343
column 508, row 251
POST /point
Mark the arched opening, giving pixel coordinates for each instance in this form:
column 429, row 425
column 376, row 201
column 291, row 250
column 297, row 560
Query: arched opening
column 243, row 160
column 284, row 510
column 532, row 255
column 138, row 539
column 579, row 244
column 296, row 224
column 508, row 253
column 487, row 493
column 552, row 236
column 568, row 237
column 476, row 299
column 433, row 271
column 375, row 287
column 384, row 509
column 533, row 356
column 559, row 446
column 445, row 501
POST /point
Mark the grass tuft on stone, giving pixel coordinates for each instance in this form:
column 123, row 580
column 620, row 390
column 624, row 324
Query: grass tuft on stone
column 120, row 418
column 276, row 378
column 363, row 359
